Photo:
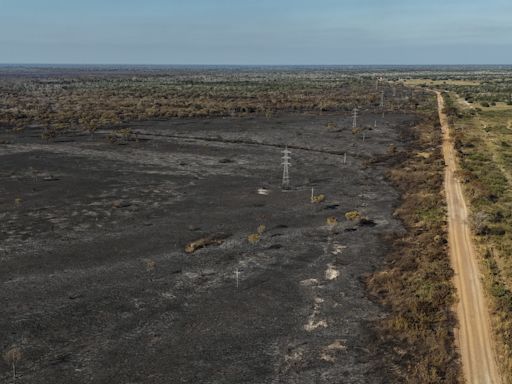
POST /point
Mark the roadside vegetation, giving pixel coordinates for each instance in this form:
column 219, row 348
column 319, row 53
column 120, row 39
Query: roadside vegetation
column 483, row 139
column 416, row 284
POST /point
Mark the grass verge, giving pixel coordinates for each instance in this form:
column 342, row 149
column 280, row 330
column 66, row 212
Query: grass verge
column 482, row 141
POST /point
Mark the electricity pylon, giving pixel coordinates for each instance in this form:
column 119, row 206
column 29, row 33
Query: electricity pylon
column 286, row 165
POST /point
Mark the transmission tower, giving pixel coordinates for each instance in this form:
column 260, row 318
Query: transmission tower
column 382, row 99
column 286, row 165
column 354, row 118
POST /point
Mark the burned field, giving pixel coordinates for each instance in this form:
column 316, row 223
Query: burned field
column 96, row 283
column 145, row 236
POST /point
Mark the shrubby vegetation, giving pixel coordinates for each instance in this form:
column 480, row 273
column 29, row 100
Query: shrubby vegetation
column 484, row 86
column 416, row 285
column 482, row 142
column 88, row 99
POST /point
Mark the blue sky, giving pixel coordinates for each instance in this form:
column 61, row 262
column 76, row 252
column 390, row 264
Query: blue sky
column 256, row 31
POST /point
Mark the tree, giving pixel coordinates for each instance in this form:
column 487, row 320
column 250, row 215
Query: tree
column 12, row 357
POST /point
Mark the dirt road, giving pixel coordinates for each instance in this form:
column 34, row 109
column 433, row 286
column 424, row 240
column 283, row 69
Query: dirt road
column 475, row 339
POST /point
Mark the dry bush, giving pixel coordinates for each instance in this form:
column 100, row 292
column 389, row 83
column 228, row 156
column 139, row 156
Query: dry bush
column 317, row 199
column 216, row 239
column 416, row 283
column 121, row 135
column 353, row 215
column 391, row 149
column 331, row 221
column 49, row 133
column 12, row 357
column 150, row 265
column 253, row 238
column 479, row 223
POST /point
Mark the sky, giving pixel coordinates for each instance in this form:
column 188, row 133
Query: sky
column 258, row 32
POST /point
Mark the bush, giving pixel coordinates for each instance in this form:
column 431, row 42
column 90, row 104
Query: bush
column 352, row 215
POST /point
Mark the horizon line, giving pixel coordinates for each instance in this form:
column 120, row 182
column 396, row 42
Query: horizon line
column 248, row 65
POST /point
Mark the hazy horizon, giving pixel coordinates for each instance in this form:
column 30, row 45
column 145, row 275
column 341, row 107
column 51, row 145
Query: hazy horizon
column 265, row 32
column 228, row 65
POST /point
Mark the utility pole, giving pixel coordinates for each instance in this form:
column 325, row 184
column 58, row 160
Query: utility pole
column 354, row 118
column 237, row 276
column 286, row 165
column 382, row 102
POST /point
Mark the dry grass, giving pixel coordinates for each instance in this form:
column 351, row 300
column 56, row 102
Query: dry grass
column 254, row 238
column 352, row 215
column 416, row 285
column 331, row 221
column 482, row 139
column 217, row 239
column 317, row 199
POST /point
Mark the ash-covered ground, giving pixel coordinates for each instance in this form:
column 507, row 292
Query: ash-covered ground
column 96, row 286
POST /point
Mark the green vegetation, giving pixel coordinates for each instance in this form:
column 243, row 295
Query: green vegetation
column 482, row 138
column 88, row 100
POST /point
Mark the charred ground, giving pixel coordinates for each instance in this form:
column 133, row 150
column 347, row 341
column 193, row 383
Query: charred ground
column 98, row 288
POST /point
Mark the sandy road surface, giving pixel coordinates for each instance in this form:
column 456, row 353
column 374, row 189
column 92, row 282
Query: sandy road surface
column 475, row 339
